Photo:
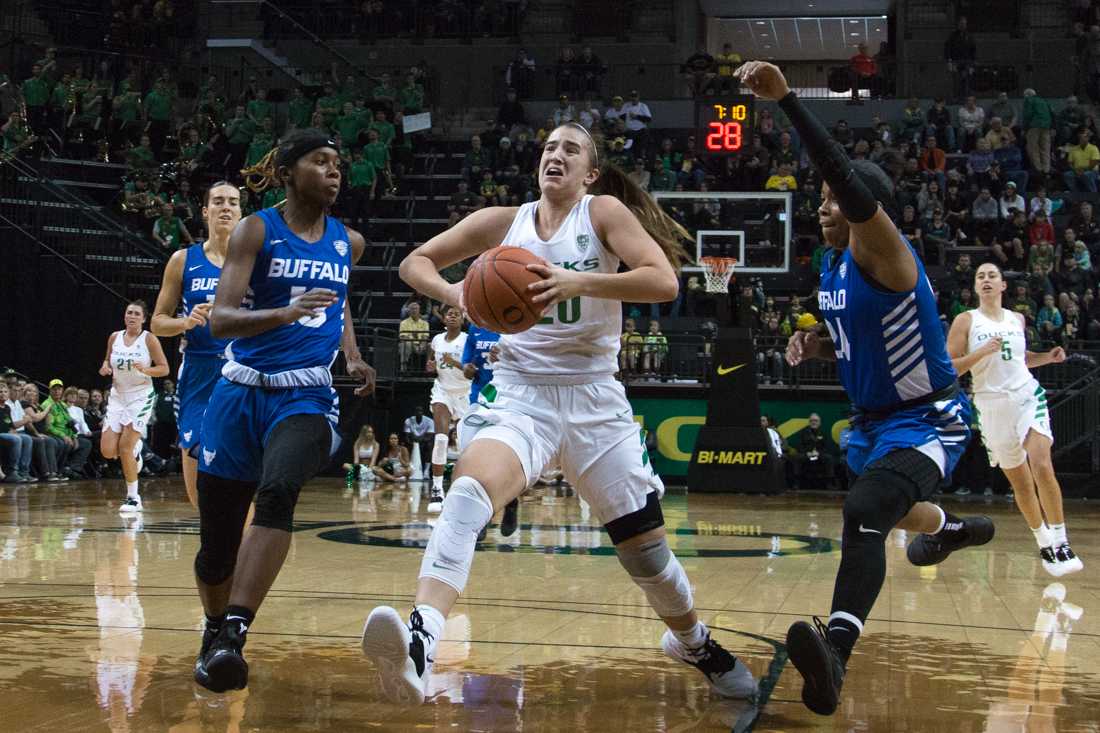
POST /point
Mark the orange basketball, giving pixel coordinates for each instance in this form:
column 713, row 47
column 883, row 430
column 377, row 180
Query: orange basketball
column 495, row 290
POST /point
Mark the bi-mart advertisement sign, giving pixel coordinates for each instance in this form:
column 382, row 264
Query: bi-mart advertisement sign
column 676, row 423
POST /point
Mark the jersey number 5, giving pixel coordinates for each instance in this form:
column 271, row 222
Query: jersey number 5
column 308, row 321
column 1006, row 351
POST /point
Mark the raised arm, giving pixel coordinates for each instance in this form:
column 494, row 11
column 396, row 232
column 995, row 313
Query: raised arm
column 478, row 232
column 876, row 243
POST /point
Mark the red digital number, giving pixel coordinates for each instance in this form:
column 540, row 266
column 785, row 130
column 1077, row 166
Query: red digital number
column 723, row 136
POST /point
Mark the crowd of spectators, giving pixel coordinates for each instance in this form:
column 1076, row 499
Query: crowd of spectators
column 56, row 439
column 173, row 146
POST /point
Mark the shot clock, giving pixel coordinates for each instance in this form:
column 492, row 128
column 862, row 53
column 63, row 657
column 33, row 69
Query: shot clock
column 724, row 124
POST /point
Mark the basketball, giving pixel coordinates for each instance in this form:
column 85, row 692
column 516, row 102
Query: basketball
column 495, row 290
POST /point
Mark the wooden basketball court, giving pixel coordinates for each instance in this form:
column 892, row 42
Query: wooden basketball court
column 101, row 621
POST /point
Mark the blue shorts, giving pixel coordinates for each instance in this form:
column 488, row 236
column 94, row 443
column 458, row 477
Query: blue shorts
column 240, row 419
column 940, row 431
column 194, row 384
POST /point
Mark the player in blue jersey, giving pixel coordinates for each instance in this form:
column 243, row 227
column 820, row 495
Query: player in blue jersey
column 911, row 421
column 270, row 423
column 477, row 365
column 191, row 275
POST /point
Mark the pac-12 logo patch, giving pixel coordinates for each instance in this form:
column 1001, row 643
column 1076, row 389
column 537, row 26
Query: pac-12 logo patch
column 341, row 247
column 843, row 270
column 582, row 242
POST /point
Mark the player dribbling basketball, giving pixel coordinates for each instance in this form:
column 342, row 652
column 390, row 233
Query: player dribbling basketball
column 450, row 395
column 554, row 396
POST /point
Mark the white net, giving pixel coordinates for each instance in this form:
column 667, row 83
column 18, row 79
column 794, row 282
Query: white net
column 717, row 272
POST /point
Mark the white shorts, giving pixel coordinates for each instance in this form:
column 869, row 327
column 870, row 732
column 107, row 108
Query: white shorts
column 457, row 402
column 587, row 429
column 130, row 408
column 1007, row 417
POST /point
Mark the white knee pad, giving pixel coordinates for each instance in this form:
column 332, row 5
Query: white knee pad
column 439, row 450
column 450, row 551
column 669, row 591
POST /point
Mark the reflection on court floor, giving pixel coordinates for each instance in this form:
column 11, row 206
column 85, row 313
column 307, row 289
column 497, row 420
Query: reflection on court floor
column 101, row 622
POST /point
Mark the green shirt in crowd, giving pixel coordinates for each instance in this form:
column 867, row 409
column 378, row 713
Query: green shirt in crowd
column 301, row 112
column 273, row 197
column 158, row 106
column 240, row 131
column 362, row 174
column 127, row 107
column 349, row 127
column 170, row 230
column 58, row 419
column 385, row 130
column 141, row 157
column 258, row 148
column 36, row 91
column 329, row 107
column 259, row 110
column 376, row 153
column 411, row 97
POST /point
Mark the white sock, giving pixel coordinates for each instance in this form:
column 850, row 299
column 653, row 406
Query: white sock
column 694, row 637
column 433, row 624
column 943, row 519
column 1058, row 531
column 437, row 483
column 137, row 448
column 132, row 490
column 1043, row 536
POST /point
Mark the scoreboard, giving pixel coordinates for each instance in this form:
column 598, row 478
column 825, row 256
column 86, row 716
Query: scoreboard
column 724, row 124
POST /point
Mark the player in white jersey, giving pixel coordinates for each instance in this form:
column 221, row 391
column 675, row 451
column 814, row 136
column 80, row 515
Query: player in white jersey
column 1012, row 409
column 134, row 357
column 450, row 395
column 554, row 397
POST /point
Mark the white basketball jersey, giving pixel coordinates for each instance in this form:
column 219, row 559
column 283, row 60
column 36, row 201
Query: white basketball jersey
column 450, row 377
column 1006, row 371
column 577, row 341
column 123, row 360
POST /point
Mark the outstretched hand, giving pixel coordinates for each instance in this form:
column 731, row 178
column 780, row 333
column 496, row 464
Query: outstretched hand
column 764, row 79
column 557, row 284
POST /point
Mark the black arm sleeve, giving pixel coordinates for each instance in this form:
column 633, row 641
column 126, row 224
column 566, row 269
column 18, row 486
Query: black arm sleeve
column 857, row 203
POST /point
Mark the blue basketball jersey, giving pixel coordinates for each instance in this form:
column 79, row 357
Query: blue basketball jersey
column 200, row 280
column 479, row 342
column 890, row 347
column 286, row 268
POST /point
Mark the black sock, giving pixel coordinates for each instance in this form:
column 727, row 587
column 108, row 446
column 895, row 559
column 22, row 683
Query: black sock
column 213, row 623
column 951, row 525
column 843, row 635
column 240, row 616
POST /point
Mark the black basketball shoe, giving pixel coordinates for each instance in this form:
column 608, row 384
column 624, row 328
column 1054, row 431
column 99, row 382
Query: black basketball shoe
column 932, row 549
column 224, row 661
column 819, row 663
column 209, row 633
column 510, row 521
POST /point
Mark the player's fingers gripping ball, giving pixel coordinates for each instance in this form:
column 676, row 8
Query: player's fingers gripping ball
column 495, row 291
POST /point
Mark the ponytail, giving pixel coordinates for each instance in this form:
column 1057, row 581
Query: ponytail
column 613, row 181
column 665, row 230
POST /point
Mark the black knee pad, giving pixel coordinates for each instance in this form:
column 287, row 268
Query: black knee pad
column 886, row 491
column 631, row 525
column 223, row 508
column 296, row 450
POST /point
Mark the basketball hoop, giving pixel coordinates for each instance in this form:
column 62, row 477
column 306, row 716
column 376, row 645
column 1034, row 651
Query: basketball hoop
column 717, row 272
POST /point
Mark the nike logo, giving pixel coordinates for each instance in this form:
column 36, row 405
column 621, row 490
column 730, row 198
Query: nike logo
column 192, row 269
column 277, row 241
column 723, row 371
column 868, row 530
